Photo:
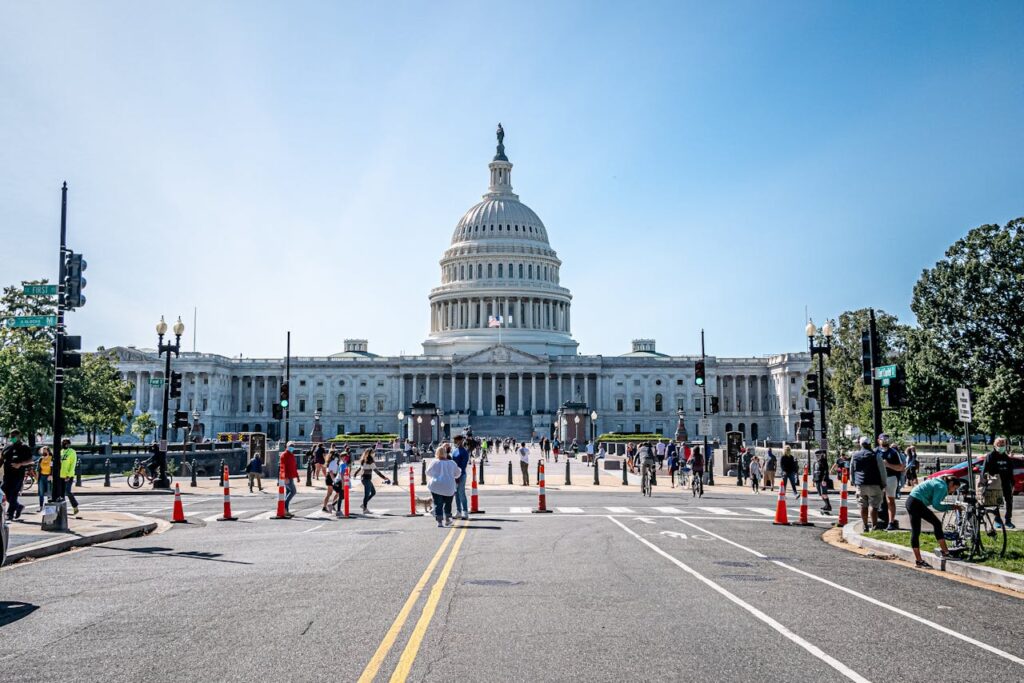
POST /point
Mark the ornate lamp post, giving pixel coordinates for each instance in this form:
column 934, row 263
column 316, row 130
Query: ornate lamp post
column 161, row 481
column 401, row 426
column 576, row 429
column 821, row 352
column 318, row 431
column 593, row 429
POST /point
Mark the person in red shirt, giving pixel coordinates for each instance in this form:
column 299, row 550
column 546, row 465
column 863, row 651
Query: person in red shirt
column 291, row 477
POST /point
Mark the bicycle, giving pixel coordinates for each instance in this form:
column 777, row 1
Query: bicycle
column 697, row 485
column 139, row 475
column 971, row 527
column 645, row 481
column 682, row 478
column 30, row 478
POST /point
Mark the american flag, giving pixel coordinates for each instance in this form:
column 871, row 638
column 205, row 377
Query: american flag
column 494, row 321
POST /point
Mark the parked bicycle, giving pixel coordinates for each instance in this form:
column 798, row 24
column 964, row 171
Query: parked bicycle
column 140, row 475
column 31, row 474
column 971, row 528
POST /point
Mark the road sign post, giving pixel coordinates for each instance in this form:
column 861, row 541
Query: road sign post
column 963, row 407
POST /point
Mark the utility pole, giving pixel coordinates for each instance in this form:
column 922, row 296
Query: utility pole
column 287, row 381
column 60, row 522
column 708, row 463
column 876, row 387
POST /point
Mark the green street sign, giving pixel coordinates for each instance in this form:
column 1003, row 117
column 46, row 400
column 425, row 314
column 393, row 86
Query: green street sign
column 39, row 290
column 32, row 321
column 156, row 381
column 885, row 372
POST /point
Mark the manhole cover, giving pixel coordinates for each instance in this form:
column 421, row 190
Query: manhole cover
column 375, row 533
column 733, row 563
column 493, row 582
column 746, row 577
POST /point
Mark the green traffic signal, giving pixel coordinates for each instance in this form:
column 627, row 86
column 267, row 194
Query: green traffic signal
column 284, row 403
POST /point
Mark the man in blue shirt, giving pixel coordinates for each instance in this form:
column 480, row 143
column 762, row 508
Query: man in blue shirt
column 461, row 458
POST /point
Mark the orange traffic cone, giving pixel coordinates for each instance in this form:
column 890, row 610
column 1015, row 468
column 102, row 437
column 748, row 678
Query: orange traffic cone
column 542, row 498
column 282, row 512
column 781, row 517
column 803, row 503
column 178, row 516
column 227, row 516
column 843, row 514
column 474, row 500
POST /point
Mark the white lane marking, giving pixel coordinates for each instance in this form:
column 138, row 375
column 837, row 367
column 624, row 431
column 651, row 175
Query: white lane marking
column 620, row 511
column 719, row 511
column 571, row 511
column 669, row 510
column 378, row 513
column 263, row 515
column 867, row 598
column 306, row 531
column 213, row 518
column 674, row 534
column 645, row 520
column 785, row 632
column 519, row 510
column 762, row 511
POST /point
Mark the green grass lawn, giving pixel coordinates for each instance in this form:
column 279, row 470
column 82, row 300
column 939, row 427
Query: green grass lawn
column 1012, row 562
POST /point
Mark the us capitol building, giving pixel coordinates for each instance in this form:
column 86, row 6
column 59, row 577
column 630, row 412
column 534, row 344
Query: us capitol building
column 520, row 378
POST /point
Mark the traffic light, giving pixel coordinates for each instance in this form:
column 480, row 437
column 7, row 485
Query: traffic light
column 180, row 418
column 714, row 405
column 175, row 385
column 807, row 421
column 74, row 283
column 69, row 347
column 897, row 393
column 284, row 396
column 865, row 356
column 277, row 412
column 812, row 385
column 698, row 373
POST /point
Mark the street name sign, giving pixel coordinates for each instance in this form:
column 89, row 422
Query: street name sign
column 32, row 321
column 963, row 404
column 885, row 372
column 39, row 290
column 156, row 381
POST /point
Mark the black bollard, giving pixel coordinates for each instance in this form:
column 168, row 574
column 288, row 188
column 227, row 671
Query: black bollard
column 597, row 481
column 193, row 468
column 221, row 470
column 423, row 473
column 480, row 479
column 106, row 472
column 78, row 472
column 394, row 472
column 568, row 482
column 625, row 477
column 510, row 472
column 309, row 470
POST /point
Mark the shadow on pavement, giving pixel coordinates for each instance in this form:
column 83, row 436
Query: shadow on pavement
column 11, row 612
column 184, row 554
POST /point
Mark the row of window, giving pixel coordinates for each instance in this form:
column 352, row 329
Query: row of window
column 521, row 271
column 502, row 229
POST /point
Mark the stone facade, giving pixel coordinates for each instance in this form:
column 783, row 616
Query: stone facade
column 509, row 379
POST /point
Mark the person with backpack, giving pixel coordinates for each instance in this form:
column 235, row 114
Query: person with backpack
column 254, row 471
column 770, row 464
column 869, row 474
column 822, row 482
column 789, row 467
column 755, row 473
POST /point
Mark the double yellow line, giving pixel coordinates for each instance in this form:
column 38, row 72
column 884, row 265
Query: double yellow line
column 416, row 637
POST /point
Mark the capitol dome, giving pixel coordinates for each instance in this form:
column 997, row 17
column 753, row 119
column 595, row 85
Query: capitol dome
column 500, row 267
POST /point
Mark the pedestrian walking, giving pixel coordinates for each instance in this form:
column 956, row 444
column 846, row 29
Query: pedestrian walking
column 365, row 471
column 68, row 465
column 869, row 474
column 770, row 464
column 659, row 454
column 332, row 468
column 894, row 468
column 912, row 465
column 43, row 470
column 524, row 463
column 929, row 493
column 755, row 474
column 999, row 464
column 822, row 482
column 555, row 446
column 291, row 477
column 16, row 456
column 460, row 456
column 254, row 471
column 789, row 467
column 745, row 462
column 673, row 467
column 319, row 461
column 442, row 472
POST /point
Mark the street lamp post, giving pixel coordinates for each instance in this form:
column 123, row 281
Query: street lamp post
column 161, row 482
column 401, row 426
column 821, row 352
column 419, row 421
column 576, row 429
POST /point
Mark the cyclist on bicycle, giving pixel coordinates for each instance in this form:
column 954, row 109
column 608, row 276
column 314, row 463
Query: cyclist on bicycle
column 697, row 466
column 929, row 493
column 648, row 460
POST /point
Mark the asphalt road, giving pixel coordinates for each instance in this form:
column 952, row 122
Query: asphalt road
column 609, row 587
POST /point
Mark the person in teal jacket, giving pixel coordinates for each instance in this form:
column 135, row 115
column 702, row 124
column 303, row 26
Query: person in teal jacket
column 927, row 494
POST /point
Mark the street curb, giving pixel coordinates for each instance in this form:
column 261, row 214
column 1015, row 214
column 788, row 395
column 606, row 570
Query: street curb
column 47, row 548
column 990, row 575
column 114, row 492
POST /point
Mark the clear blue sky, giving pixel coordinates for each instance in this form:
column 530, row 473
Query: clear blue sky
column 301, row 165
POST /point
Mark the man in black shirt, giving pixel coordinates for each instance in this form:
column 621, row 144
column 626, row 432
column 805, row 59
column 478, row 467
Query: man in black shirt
column 16, row 456
column 999, row 462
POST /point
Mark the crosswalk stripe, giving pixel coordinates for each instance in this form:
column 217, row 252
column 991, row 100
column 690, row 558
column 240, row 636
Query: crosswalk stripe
column 719, row 511
column 620, row 510
column 263, row 515
column 213, row 518
column 762, row 511
column 572, row 511
column 519, row 510
column 669, row 510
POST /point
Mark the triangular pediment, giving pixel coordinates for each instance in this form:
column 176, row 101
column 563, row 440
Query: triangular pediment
column 499, row 355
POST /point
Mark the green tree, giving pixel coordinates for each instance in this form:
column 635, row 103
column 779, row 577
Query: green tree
column 971, row 304
column 97, row 398
column 26, row 387
column 143, row 425
column 14, row 302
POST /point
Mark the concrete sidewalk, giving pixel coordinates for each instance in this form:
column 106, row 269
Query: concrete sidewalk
column 27, row 540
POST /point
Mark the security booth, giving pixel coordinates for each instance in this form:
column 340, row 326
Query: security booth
column 733, row 446
column 423, row 423
column 573, row 422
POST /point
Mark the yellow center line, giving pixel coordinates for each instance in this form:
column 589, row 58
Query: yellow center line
column 413, row 646
column 370, row 672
